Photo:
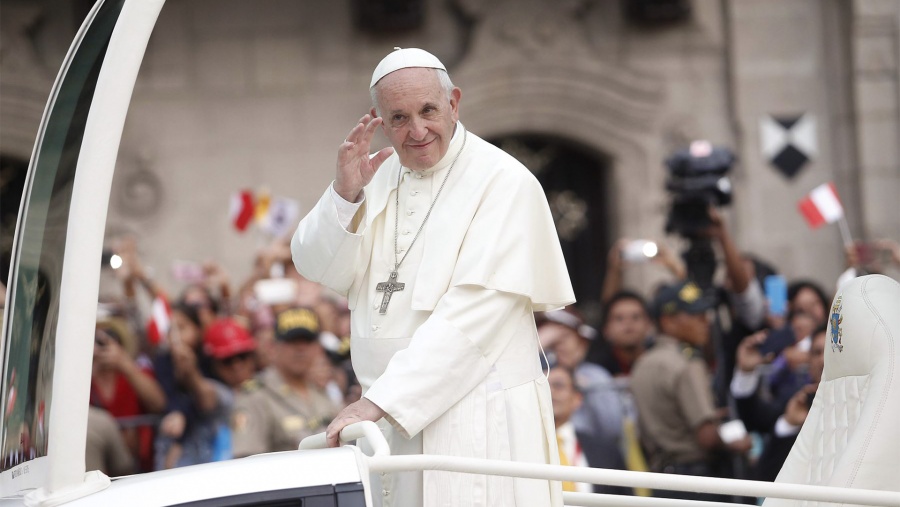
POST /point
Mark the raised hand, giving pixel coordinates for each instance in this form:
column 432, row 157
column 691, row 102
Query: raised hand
column 184, row 362
column 109, row 354
column 354, row 167
column 798, row 406
column 614, row 260
column 748, row 353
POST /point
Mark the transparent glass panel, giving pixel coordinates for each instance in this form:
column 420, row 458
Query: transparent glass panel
column 41, row 241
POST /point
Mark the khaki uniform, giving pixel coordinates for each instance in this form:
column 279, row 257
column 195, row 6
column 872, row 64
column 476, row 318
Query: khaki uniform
column 269, row 416
column 106, row 449
column 671, row 387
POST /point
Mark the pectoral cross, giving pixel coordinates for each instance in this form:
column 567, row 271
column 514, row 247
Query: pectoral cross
column 389, row 287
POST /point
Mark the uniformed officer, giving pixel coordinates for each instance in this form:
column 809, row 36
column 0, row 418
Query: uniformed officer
column 280, row 407
column 673, row 391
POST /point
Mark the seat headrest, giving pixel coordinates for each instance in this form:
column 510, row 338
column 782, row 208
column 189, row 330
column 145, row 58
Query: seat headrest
column 863, row 327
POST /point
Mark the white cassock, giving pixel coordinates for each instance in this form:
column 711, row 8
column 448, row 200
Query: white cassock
column 454, row 362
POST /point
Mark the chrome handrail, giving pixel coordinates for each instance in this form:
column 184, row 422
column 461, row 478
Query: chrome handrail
column 351, row 432
column 382, row 461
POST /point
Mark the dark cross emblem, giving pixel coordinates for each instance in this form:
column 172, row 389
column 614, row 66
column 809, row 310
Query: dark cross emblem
column 389, row 287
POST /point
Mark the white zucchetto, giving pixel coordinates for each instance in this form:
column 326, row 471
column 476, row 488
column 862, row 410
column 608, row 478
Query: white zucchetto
column 404, row 59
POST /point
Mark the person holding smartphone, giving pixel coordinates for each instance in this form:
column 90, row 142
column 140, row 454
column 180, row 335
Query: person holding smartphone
column 626, row 252
column 777, row 419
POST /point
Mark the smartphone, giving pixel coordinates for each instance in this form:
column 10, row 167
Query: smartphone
column 275, row 291
column 639, row 250
column 732, row 431
column 776, row 293
column 778, row 340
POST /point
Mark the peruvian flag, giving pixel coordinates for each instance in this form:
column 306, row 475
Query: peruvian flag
column 160, row 320
column 821, row 206
column 241, row 209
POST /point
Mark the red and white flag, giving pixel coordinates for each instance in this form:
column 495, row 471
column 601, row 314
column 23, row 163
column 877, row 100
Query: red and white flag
column 160, row 321
column 241, row 210
column 821, row 206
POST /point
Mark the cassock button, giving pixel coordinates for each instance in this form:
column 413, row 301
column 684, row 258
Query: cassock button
column 385, row 492
column 414, row 192
column 374, row 328
column 410, row 212
column 418, row 176
column 406, row 232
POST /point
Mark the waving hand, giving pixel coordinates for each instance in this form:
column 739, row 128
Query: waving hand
column 355, row 168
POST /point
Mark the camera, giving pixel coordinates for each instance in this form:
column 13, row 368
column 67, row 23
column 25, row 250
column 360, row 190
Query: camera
column 697, row 179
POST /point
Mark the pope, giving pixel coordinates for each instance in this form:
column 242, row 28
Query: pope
column 445, row 247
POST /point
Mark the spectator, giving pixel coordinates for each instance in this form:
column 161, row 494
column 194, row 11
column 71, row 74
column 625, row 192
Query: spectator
column 125, row 387
column 231, row 351
column 787, row 352
column 808, row 297
column 671, row 386
column 599, row 420
column 197, row 405
column 106, row 450
column 282, row 406
column 744, row 291
column 777, row 420
column 746, row 303
column 200, row 297
column 627, row 332
column 566, row 400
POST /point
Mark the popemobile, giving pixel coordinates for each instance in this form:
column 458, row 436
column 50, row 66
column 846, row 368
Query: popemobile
column 848, row 452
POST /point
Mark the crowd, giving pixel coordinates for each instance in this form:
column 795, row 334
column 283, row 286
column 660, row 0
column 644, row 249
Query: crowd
column 713, row 381
column 684, row 380
column 215, row 371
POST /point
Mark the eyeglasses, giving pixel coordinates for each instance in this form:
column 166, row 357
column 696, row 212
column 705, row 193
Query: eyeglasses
column 228, row 361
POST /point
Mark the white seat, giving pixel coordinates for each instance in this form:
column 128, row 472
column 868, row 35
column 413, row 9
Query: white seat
column 851, row 437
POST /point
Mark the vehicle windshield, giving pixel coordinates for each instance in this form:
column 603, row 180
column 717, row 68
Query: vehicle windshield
column 32, row 311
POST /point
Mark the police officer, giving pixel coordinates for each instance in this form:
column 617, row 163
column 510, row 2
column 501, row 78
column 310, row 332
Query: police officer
column 672, row 389
column 280, row 407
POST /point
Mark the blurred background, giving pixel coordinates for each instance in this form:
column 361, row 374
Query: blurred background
column 594, row 96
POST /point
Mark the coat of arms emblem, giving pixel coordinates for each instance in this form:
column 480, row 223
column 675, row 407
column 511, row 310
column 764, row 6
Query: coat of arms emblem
column 835, row 324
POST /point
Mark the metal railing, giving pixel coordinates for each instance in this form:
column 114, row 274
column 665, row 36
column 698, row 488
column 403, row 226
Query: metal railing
column 382, row 461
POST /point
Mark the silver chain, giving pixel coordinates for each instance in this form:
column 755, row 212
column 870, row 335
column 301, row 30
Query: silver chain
column 428, row 214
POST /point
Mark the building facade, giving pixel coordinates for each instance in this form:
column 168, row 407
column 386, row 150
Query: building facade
column 592, row 95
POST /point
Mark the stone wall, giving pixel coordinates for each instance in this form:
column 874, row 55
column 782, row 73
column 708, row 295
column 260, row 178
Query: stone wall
column 259, row 93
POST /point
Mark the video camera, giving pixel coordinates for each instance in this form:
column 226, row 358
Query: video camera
column 697, row 179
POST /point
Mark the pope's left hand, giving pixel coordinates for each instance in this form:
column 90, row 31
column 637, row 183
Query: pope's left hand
column 362, row 410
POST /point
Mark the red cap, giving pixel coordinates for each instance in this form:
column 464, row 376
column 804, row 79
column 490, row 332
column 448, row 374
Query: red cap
column 226, row 338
